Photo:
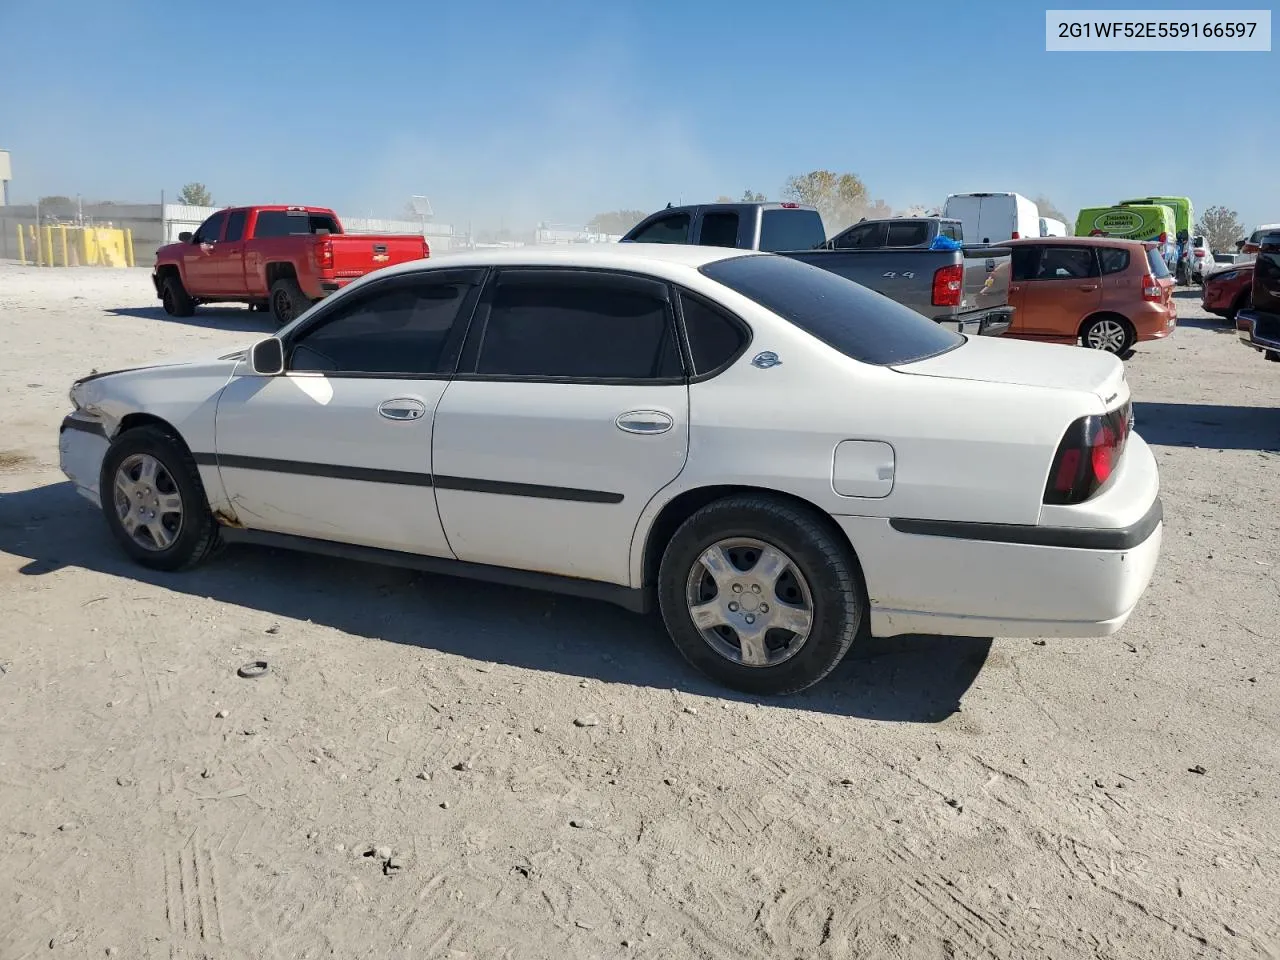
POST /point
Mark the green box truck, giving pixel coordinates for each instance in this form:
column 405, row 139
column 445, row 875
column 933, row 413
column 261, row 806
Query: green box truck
column 1152, row 221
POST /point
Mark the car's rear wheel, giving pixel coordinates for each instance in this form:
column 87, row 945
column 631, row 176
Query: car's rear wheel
column 1240, row 303
column 287, row 300
column 175, row 299
column 1109, row 333
column 760, row 595
column 154, row 501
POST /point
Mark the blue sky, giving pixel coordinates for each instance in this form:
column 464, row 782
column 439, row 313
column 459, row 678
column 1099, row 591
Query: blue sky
column 507, row 113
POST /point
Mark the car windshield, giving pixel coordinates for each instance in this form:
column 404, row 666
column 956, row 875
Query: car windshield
column 1158, row 267
column 858, row 322
column 791, row 230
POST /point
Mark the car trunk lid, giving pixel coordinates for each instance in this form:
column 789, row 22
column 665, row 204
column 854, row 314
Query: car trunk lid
column 354, row 255
column 1052, row 366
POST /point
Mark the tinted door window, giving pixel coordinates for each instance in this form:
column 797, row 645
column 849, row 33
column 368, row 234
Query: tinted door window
column 1113, row 260
column 672, row 229
column 235, row 226
column 719, row 230
column 1026, row 260
column 397, row 330
column 579, row 326
column 1066, row 263
column 862, row 237
column 908, row 234
column 842, row 314
column 714, row 338
column 211, row 230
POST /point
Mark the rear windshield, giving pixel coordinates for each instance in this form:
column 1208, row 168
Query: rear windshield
column 858, row 322
column 282, row 223
column 791, row 230
column 1158, row 267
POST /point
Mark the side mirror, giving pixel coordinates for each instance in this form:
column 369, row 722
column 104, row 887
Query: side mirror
column 267, row 357
column 184, row 236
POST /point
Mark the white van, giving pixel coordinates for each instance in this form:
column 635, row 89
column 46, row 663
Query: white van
column 993, row 217
column 1050, row 227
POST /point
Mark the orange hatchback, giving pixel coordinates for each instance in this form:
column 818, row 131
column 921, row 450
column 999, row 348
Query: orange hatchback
column 1104, row 293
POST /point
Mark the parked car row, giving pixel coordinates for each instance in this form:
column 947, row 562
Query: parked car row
column 1105, row 293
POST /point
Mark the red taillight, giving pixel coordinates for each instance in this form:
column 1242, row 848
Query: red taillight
column 324, row 254
column 1150, row 289
column 1088, row 456
column 1164, row 238
column 426, row 249
column 948, row 285
column 1199, row 253
column 1017, row 235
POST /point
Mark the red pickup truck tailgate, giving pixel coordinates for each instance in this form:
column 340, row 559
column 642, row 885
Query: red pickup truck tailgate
column 355, row 254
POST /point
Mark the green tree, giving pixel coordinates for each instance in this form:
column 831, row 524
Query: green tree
column 615, row 222
column 1221, row 227
column 195, row 195
column 841, row 198
column 749, row 197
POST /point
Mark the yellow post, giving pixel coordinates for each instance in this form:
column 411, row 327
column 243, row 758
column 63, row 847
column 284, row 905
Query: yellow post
column 37, row 245
column 22, row 247
column 66, row 260
column 128, row 246
column 48, row 245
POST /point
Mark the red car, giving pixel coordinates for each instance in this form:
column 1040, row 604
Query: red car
column 1226, row 292
column 272, row 257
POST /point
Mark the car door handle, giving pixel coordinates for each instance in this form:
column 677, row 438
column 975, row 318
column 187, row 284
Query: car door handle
column 1013, row 288
column 644, row 421
column 402, row 408
column 1088, row 287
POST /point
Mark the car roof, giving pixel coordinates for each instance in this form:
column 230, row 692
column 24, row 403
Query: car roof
column 1075, row 241
column 618, row 256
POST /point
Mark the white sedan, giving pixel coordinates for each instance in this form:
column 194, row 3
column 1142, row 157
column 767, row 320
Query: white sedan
column 774, row 456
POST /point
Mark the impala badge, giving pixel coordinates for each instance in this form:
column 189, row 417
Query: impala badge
column 765, row 360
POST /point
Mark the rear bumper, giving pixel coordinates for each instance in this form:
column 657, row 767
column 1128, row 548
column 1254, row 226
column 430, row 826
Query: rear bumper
column 981, row 323
column 953, row 580
column 1259, row 329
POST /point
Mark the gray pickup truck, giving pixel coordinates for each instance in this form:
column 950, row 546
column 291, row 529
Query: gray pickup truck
column 965, row 289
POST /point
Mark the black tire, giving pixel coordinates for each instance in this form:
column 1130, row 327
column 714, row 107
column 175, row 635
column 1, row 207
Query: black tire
column 287, row 300
column 835, row 585
column 198, row 534
column 1240, row 303
column 1273, row 355
column 175, row 299
column 1121, row 349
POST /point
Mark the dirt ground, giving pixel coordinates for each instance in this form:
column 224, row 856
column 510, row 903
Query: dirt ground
column 553, row 781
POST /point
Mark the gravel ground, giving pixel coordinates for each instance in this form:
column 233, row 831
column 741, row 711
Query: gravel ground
column 548, row 778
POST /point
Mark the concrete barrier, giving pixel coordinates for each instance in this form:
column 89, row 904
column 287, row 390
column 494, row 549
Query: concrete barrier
column 69, row 246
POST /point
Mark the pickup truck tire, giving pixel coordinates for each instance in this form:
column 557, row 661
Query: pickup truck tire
column 287, row 300
column 783, row 605
column 150, row 482
column 175, row 299
column 1109, row 332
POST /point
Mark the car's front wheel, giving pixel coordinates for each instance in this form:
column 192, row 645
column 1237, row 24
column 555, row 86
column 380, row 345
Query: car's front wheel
column 154, row 501
column 760, row 595
column 175, row 299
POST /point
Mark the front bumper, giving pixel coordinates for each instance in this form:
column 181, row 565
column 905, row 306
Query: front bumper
column 82, row 444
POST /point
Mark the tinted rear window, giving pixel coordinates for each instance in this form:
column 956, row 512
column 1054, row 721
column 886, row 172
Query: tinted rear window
column 858, row 322
column 281, row 223
column 908, row 234
column 1158, row 267
column 791, row 230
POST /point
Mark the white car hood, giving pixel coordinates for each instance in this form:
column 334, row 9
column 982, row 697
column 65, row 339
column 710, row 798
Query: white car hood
column 1046, row 365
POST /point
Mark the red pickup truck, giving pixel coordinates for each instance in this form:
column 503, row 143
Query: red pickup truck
column 275, row 258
